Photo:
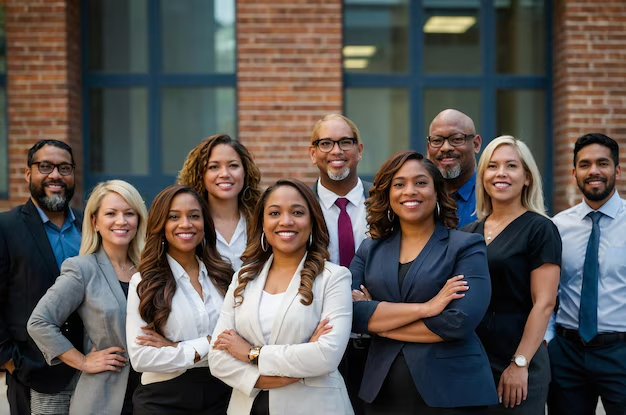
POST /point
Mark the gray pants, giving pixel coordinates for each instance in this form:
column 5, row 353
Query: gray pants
column 53, row 403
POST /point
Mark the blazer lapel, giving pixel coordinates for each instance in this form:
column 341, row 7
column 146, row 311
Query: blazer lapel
column 253, row 295
column 35, row 226
column 439, row 234
column 109, row 274
column 290, row 295
column 389, row 254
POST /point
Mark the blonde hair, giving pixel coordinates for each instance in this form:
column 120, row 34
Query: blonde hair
column 329, row 117
column 532, row 195
column 91, row 240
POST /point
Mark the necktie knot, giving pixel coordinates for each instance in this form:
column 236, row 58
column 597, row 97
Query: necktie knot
column 342, row 202
column 595, row 217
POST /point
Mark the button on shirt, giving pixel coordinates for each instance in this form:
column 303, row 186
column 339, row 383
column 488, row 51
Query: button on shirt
column 466, row 202
column 355, row 209
column 575, row 228
column 65, row 242
column 232, row 251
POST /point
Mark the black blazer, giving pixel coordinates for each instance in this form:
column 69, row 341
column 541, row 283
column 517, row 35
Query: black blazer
column 27, row 269
column 451, row 373
column 366, row 188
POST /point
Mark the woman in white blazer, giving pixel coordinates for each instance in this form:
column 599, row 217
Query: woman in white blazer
column 95, row 284
column 173, row 305
column 286, row 317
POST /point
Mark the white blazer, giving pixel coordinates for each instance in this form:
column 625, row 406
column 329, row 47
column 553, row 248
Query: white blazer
column 288, row 353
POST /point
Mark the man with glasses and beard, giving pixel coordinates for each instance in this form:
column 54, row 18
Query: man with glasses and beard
column 452, row 146
column 35, row 239
column 588, row 353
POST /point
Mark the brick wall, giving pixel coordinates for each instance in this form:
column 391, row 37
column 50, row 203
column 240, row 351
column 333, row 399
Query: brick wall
column 589, row 87
column 289, row 75
column 43, row 82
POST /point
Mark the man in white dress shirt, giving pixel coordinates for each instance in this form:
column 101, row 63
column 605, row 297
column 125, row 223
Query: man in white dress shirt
column 336, row 150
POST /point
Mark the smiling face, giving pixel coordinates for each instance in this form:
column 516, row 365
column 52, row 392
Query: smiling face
column 287, row 222
column 116, row 221
column 504, row 177
column 412, row 194
column 225, row 176
column 184, row 228
column 338, row 164
column 51, row 192
column 596, row 174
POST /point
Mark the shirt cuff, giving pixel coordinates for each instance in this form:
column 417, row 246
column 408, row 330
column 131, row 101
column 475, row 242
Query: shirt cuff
column 200, row 345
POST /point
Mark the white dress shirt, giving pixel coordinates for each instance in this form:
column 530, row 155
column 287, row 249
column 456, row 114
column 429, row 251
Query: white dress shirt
column 355, row 209
column 232, row 251
column 575, row 228
column 191, row 320
column 268, row 308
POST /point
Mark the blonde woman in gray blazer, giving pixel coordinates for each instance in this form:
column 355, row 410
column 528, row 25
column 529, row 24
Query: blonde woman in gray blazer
column 95, row 284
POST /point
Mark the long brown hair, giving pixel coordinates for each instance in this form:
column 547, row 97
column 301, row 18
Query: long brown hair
column 157, row 286
column 254, row 258
column 196, row 164
column 378, row 205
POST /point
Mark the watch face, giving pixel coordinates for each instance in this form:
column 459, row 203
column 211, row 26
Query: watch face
column 520, row 361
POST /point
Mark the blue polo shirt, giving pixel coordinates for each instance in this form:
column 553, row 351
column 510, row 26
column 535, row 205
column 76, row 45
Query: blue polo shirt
column 466, row 202
column 65, row 242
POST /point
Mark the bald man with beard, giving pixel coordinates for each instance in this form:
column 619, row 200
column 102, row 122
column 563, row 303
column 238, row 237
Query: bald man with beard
column 452, row 146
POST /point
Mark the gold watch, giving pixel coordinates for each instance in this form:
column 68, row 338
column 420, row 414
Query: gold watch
column 253, row 354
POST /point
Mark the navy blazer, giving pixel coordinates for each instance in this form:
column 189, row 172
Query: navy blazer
column 452, row 373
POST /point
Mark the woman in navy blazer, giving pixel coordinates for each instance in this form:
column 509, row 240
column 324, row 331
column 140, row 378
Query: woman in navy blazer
column 427, row 287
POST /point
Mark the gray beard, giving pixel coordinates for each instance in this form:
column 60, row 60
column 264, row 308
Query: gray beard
column 54, row 203
column 452, row 174
column 339, row 177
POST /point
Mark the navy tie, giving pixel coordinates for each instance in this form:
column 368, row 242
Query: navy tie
column 588, row 315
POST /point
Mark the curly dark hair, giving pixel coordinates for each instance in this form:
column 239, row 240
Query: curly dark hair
column 157, row 286
column 196, row 164
column 378, row 204
column 254, row 258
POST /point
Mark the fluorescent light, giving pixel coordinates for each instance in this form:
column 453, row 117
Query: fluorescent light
column 355, row 63
column 449, row 24
column 359, row 51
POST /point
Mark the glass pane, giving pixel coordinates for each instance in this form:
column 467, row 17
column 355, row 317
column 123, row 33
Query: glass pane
column 452, row 37
column 522, row 114
column 118, row 36
column 465, row 100
column 4, row 153
column 190, row 115
column 198, row 36
column 118, row 131
column 520, row 37
column 382, row 116
column 376, row 36
column 3, row 42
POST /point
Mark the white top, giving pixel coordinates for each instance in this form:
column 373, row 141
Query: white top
column 268, row 309
column 191, row 320
column 232, row 251
column 355, row 209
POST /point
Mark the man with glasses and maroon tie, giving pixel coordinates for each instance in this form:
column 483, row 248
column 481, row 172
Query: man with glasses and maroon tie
column 452, row 146
column 336, row 150
column 35, row 238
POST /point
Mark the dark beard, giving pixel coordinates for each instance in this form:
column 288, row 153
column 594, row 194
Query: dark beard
column 598, row 195
column 54, row 203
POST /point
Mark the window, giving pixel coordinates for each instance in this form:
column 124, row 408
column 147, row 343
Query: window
column 4, row 139
column 406, row 60
column 159, row 77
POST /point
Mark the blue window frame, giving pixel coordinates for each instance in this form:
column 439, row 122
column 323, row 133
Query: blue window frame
column 153, row 87
column 506, row 77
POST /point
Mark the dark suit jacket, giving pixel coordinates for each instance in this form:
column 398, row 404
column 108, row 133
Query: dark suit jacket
column 366, row 188
column 27, row 269
column 451, row 373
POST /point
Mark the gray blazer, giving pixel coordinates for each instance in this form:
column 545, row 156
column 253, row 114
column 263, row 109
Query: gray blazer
column 87, row 284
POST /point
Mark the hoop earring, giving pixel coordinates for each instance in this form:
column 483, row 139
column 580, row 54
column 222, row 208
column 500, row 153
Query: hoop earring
column 438, row 209
column 390, row 215
column 161, row 248
column 246, row 194
column 263, row 242
column 203, row 243
column 311, row 239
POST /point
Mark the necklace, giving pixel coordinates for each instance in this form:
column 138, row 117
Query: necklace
column 126, row 271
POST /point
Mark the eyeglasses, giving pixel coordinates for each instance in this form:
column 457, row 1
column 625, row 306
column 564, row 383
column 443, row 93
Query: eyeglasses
column 326, row 144
column 455, row 140
column 45, row 167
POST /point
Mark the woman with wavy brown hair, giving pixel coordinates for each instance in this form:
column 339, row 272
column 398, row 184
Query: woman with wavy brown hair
column 223, row 172
column 427, row 290
column 286, row 317
column 173, row 306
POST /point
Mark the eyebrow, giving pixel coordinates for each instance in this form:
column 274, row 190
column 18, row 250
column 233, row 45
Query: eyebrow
column 292, row 206
column 342, row 138
column 593, row 160
column 414, row 177
column 177, row 211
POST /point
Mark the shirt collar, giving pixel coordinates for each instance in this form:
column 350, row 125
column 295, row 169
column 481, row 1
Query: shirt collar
column 328, row 198
column 179, row 272
column 610, row 208
column 467, row 189
column 46, row 219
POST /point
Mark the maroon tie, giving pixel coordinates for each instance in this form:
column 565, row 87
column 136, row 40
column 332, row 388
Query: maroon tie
column 346, row 237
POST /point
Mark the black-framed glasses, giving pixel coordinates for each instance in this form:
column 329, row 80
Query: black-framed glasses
column 45, row 167
column 326, row 144
column 455, row 140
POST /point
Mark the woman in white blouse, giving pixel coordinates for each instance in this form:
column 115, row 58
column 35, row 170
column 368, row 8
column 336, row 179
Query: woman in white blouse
column 286, row 317
column 223, row 172
column 173, row 306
